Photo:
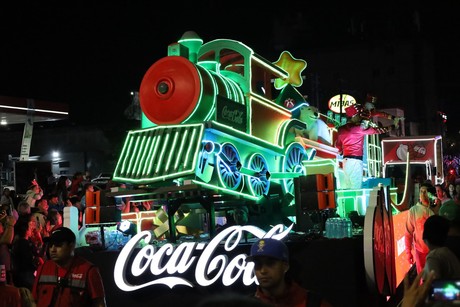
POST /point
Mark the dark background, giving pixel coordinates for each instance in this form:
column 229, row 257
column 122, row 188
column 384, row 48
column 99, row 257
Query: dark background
column 91, row 55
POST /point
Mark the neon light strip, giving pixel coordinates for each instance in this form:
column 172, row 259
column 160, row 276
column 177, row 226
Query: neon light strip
column 244, row 136
column 31, row 109
column 179, row 154
column 399, row 140
column 120, row 163
column 271, row 67
column 162, row 153
column 270, row 104
column 172, row 150
column 150, row 149
column 227, row 190
column 133, row 157
column 192, row 140
column 136, row 163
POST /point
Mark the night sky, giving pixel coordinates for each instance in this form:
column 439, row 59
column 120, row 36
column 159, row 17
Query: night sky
column 92, row 56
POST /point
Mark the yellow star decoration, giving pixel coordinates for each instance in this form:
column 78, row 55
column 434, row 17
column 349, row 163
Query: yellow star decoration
column 293, row 67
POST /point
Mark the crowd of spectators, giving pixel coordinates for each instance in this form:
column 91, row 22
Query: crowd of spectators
column 27, row 221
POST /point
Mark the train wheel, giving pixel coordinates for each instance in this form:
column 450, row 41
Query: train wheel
column 227, row 161
column 292, row 163
column 258, row 185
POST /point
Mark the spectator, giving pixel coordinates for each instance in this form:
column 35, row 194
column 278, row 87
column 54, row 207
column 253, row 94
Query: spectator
column 62, row 189
column 33, row 194
column 55, row 203
column 55, row 220
column 10, row 296
column 451, row 211
column 440, row 259
column 77, row 185
column 25, row 256
column 23, row 208
column 452, row 192
column 441, row 194
column 73, row 280
column 75, row 202
column 416, row 218
column 6, row 239
column 7, row 200
column 42, row 216
column 271, row 262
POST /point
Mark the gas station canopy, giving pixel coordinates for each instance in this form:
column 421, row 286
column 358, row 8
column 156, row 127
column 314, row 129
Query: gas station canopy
column 14, row 110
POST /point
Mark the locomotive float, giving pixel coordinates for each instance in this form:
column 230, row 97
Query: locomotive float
column 220, row 116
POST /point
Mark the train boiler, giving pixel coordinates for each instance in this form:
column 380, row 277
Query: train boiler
column 220, row 116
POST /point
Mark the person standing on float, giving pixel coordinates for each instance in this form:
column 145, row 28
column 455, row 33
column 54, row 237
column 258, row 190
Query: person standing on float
column 350, row 143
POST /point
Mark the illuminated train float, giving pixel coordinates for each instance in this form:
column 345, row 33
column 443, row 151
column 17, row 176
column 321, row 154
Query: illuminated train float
column 220, row 116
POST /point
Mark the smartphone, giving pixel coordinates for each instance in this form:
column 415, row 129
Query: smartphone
column 445, row 290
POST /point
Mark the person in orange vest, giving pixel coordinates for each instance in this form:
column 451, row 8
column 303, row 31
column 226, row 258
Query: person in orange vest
column 66, row 279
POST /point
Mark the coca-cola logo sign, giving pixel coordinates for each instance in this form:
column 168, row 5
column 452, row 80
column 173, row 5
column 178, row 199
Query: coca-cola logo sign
column 209, row 266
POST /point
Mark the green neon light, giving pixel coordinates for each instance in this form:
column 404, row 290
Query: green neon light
column 155, row 149
column 131, row 163
column 271, row 104
column 192, row 141
column 123, row 151
column 156, row 178
column 244, row 136
column 179, row 154
column 172, row 150
column 200, row 99
column 125, row 160
column 137, row 161
column 148, row 150
column 145, row 147
column 162, row 153
column 273, row 68
column 232, row 192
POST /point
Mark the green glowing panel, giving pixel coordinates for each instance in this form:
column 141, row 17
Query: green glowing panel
column 160, row 153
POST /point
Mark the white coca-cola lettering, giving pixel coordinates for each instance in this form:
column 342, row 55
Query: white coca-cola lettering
column 181, row 259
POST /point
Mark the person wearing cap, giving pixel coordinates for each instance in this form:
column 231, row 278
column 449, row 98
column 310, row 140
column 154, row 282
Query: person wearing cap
column 350, row 143
column 413, row 236
column 271, row 263
column 451, row 211
column 66, row 279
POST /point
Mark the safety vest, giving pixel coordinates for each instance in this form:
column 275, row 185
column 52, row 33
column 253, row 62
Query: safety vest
column 68, row 291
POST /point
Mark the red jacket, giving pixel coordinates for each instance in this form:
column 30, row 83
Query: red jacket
column 81, row 284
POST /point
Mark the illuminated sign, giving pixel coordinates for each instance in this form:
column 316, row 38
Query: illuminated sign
column 338, row 103
column 175, row 261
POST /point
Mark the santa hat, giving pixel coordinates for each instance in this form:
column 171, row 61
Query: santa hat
column 352, row 110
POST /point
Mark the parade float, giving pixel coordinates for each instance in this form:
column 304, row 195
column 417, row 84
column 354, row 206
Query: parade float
column 224, row 129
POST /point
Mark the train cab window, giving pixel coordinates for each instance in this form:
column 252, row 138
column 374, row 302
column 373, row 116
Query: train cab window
column 208, row 56
column 232, row 61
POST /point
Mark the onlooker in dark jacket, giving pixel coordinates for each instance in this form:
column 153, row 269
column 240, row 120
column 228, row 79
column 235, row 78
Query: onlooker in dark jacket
column 440, row 259
column 25, row 256
column 451, row 211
